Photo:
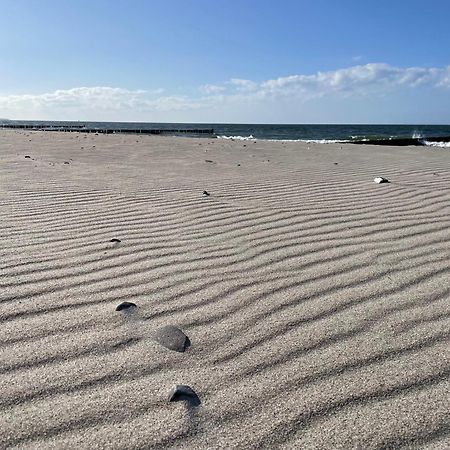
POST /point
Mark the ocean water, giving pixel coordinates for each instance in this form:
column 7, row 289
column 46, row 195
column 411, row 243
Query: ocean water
column 431, row 135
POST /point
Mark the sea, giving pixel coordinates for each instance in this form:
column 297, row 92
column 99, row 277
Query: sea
column 425, row 135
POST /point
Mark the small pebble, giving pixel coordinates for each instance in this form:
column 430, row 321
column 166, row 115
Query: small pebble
column 172, row 338
column 206, row 194
column 182, row 392
column 380, row 180
column 125, row 305
column 27, row 156
column 115, row 240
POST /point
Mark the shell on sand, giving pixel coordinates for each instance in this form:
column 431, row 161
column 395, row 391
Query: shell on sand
column 182, row 392
column 125, row 305
column 172, row 338
column 381, row 180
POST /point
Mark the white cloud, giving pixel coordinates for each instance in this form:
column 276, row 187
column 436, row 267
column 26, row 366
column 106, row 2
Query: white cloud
column 105, row 101
column 100, row 97
column 211, row 89
column 356, row 80
column 244, row 85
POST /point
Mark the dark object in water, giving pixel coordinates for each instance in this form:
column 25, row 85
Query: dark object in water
column 115, row 240
column 380, row 180
column 206, row 193
column 125, row 305
column 182, row 392
column 399, row 141
column 172, row 338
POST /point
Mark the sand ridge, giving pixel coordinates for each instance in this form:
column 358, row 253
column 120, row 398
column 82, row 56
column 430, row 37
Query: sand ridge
column 316, row 302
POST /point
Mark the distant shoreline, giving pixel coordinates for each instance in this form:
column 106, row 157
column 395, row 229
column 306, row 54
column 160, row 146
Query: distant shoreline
column 391, row 135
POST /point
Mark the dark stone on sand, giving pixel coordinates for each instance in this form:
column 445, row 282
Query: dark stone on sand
column 335, row 164
column 66, row 162
column 208, row 160
column 238, row 164
column 115, row 240
column 206, row 193
column 182, row 392
column 172, row 338
column 125, row 305
column 27, row 157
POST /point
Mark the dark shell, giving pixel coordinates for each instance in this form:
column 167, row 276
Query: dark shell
column 125, row 305
column 115, row 240
column 181, row 392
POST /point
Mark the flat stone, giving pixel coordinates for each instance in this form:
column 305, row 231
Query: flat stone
column 125, row 305
column 172, row 338
column 182, row 392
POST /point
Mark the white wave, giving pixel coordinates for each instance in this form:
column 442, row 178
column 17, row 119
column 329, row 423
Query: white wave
column 323, row 141
column 307, row 141
column 437, row 144
column 417, row 135
column 237, row 138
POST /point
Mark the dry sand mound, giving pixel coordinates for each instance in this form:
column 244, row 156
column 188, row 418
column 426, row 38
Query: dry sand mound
column 316, row 301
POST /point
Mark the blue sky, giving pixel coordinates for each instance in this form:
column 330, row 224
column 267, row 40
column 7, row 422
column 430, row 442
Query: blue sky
column 304, row 61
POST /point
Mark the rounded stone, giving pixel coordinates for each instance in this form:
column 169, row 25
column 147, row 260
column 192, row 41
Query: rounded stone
column 125, row 305
column 182, row 392
column 172, row 338
column 380, row 180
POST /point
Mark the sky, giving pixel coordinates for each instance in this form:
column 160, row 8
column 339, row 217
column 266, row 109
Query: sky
column 229, row 61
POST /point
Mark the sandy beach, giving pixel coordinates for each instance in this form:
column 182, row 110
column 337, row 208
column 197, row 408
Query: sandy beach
column 316, row 302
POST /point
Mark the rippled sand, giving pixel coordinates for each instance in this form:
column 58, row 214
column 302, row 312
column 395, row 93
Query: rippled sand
column 317, row 302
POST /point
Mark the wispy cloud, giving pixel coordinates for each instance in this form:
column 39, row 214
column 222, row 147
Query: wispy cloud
column 243, row 85
column 209, row 89
column 375, row 78
column 357, row 79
